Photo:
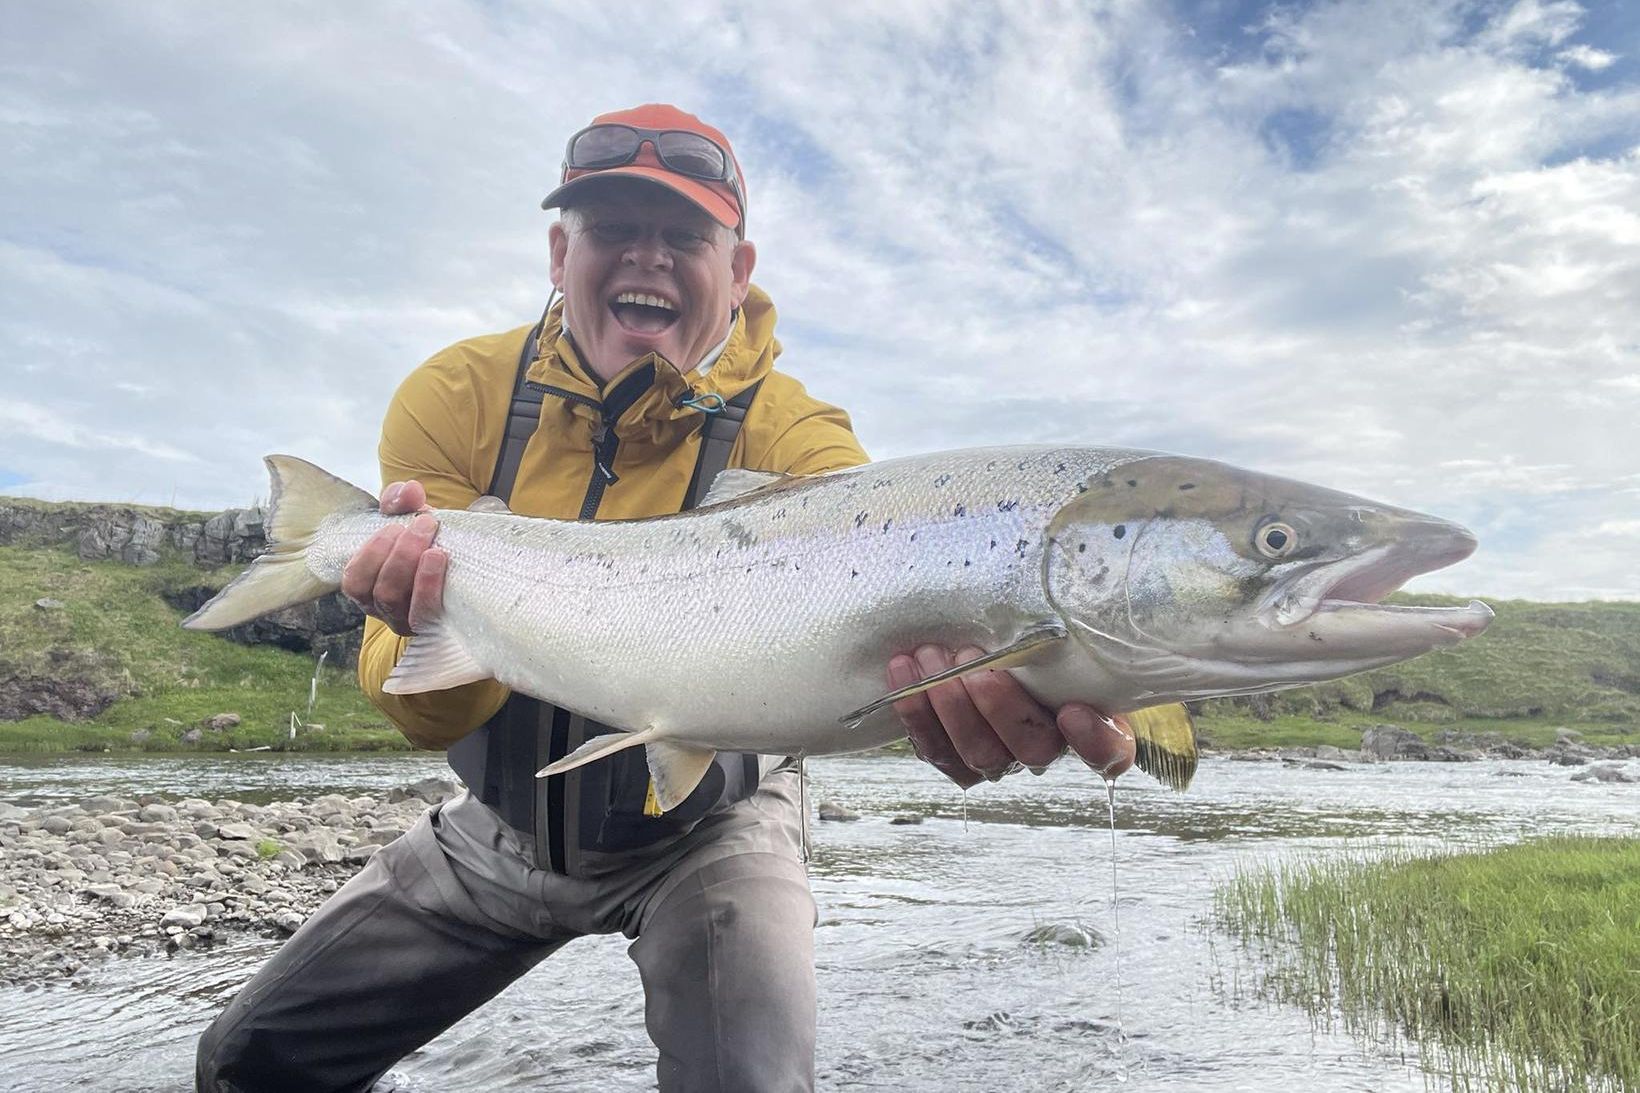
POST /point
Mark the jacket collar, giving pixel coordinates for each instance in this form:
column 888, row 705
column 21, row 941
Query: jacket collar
column 651, row 392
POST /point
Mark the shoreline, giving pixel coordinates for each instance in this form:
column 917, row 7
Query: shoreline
column 143, row 876
column 135, row 876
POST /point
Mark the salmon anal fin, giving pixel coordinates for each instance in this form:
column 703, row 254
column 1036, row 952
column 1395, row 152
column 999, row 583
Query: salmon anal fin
column 597, row 748
column 1029, row 645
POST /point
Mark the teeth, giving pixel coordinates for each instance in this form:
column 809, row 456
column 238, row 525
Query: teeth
column 645, row 299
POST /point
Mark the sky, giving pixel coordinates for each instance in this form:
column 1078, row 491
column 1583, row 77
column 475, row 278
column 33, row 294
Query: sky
column 1389, row 246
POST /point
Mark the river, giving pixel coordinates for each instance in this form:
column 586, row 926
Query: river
column 975, row 952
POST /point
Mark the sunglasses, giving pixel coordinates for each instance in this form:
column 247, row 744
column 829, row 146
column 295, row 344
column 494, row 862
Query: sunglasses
column 599, row 147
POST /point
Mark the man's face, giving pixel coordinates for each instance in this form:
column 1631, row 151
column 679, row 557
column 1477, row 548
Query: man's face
column 630, row 246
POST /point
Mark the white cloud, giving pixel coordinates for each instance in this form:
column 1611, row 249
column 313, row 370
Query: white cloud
column 1390, row 246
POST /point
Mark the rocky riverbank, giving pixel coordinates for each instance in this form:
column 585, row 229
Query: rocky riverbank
column 115, row 875
column 1392, row 743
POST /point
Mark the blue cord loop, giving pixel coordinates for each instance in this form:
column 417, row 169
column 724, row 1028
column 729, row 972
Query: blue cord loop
column 709, row 403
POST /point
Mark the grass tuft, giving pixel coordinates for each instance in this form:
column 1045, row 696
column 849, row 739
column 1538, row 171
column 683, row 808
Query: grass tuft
column 1515, row 968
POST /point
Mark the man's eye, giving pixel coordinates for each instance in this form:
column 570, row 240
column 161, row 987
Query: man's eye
column 683, row 238
column 615, row 232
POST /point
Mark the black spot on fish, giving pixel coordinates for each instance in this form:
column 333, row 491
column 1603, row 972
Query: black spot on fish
column 1314, row 636
column 1081, row 487
column 913, row 537
column 941, row 481
column 1007, row 506
column 887, row 524
column 966, row 563
column 1133, row 482
column 854, row 573
column 993, row 544
column 1187, row 486
column 860, row 519
column 960, row 510
column 1081, row 548
column 1020, row 547
column 1059, row 469
column 1119, row 531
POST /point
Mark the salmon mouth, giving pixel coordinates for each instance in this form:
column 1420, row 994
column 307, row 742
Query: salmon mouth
column 1343, row 597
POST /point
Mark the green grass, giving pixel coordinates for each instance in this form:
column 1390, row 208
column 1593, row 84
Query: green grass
column 117, row 631
column 1342, row 728
column 1514, row 968
column 1558, row 663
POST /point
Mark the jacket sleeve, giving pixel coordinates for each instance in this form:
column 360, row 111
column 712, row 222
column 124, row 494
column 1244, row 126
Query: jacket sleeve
column 428, row 436
column 819, row 441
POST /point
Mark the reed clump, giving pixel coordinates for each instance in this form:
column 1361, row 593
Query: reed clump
column 1512, row 968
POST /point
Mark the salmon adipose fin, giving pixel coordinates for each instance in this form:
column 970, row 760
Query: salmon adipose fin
column 1026, row 647
column 1165, row 737
column 302, row 497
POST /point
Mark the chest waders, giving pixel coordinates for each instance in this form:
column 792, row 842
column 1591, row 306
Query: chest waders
column 607, row 806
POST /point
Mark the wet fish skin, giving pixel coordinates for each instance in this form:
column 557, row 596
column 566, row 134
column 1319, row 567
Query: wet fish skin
column 764, row 622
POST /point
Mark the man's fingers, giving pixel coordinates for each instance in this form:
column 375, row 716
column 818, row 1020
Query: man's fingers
column 923, row 727
column 427, row 597
column 395, row 581
column 403, row 497
column 1024, row 726
column 359, row 576
column 1105, row 744
column 976, row 742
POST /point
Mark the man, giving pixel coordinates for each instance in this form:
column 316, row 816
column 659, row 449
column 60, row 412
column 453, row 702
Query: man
column 659, row 334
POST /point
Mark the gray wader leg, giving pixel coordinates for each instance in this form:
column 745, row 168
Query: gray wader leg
column 727, row 960
column 396, row 956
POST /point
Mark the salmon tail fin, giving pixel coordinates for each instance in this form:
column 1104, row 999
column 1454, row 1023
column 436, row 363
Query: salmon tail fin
column 1166, row 742
column 301, row 497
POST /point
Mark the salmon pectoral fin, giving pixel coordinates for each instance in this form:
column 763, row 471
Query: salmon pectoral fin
column 433, row 661
column 1165, row 737
column 597, row 748
column 1029, row 645
column 675, row 770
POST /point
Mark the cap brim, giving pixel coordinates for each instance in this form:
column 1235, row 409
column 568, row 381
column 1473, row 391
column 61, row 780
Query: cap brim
column 716, row 205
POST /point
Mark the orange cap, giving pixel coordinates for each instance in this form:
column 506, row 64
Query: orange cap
column 717, row 198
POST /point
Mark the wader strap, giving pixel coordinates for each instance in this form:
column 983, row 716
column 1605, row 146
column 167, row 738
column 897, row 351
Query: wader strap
column 499, row 759
column 523, row 417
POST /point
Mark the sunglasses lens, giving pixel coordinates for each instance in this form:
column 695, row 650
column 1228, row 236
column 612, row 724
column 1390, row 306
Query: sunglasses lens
column 604, row 146
column 693, row 155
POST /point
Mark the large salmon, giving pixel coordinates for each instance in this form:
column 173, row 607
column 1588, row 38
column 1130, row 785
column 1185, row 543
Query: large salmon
column 764, row 620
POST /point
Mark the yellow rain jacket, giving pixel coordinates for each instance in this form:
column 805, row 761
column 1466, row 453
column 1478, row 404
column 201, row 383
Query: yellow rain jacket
column 445, row 425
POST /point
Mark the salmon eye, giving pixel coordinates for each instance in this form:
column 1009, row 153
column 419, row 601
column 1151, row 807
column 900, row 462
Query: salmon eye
column 1275, row 540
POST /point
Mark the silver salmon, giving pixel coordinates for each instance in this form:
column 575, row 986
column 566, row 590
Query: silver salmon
column 764, row 620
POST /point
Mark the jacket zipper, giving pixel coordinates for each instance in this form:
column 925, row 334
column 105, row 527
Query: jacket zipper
column 605, row 443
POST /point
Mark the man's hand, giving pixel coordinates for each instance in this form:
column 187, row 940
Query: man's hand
column 398, row 575
column 983, row 726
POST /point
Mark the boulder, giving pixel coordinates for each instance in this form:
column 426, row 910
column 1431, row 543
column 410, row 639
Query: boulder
column 831, row 810
column 1605, row 772
column 1393, row 742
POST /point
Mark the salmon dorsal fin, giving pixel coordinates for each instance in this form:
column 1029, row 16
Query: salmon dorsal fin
column 737, row 482
column 489, row 503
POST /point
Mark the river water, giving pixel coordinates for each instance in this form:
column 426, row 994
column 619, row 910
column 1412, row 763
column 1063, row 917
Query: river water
column 974, row 951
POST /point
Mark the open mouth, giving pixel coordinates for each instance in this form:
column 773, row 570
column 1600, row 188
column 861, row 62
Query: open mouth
column 644, row 312
column 1349, row 590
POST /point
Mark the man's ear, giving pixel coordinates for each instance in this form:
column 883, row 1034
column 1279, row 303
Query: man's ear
column 558, row 243
column 741, row 264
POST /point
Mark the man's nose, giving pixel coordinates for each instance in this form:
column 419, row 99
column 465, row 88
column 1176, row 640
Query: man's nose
column 648, row 251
